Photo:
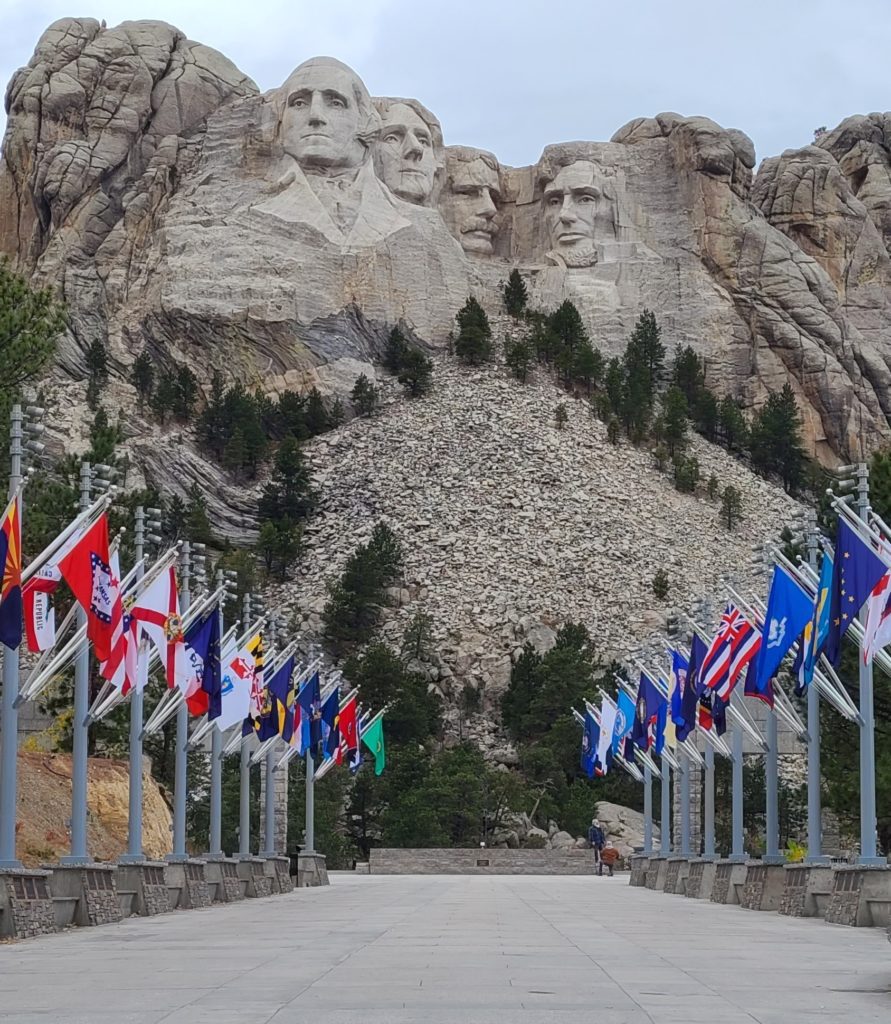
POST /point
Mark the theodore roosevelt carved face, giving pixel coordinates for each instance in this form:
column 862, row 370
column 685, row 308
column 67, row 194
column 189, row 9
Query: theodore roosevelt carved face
column 470, row 199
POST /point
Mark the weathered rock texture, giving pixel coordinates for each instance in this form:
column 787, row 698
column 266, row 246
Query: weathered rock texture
column 178, row 210
column 511, row 527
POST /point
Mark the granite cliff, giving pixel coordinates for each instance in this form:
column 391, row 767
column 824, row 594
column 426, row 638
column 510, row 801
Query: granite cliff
column 279, row 236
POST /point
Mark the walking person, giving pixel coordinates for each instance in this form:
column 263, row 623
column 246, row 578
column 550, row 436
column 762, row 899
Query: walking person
column 608, row 856
column 596, row 838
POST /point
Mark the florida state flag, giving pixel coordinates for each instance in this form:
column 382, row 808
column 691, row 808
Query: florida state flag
column 87, row 570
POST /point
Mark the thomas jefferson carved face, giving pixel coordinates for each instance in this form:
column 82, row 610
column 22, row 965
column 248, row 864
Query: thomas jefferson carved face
column 571, row 204
column 470, row 201
column 404, row 156
column 326, row 116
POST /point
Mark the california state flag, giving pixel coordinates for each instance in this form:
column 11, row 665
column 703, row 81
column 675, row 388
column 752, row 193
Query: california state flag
column 86, row 568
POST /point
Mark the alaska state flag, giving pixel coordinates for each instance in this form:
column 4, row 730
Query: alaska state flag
column 789, row 609
column 11, row 575
column 857, row 570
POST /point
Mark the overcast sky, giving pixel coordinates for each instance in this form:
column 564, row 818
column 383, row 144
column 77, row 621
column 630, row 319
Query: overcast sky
column 513, row 77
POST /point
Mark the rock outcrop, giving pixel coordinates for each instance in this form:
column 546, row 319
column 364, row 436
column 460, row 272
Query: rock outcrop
column 180, row 211
column 511, row 527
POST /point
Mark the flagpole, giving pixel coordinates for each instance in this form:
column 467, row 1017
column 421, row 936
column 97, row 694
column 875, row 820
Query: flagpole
column 868, row 852
column 134, row 854
column 708, row 841
column 9, row 715
column 180, row 770
column 772, row 853
column 269, row 769
column 665, row 812
column 814, row 780
column 80, row 739
column 215, row 837
column 685, row 804
column 244, row 782
column 310, row 814
column 737, row 852
column 647, row 809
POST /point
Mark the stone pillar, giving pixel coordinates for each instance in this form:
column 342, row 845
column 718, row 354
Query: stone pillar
column 695, row 811
column 280, row 783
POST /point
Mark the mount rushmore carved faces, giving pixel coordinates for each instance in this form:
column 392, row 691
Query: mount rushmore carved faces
column 571, row 203
column 408, row 151
column 470, row 198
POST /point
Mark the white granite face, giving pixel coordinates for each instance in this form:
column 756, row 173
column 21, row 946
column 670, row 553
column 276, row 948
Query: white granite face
column 570, row 206
column 327, row 117
column 408, row 151
column 470, row 201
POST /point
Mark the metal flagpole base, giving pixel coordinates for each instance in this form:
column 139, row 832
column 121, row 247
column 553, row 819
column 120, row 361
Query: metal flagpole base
column 774, row 858
column 873, row 862
column 132, row 858
column 737, row 858
column 177, row 858
column 75, row 862
column 823, row 859
column 11, row 865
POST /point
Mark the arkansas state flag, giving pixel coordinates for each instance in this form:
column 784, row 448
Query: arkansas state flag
column 87, row 570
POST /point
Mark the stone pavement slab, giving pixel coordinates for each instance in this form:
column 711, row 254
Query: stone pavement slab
column 450, row 949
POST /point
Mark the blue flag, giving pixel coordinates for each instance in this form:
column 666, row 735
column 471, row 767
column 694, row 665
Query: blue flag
column 203, row 637
column 679, row 669
column 857, row 570
column 649, row 707
column 590, row 739
column 624, row 721
column 309, row 700
column 278, row 704
column 817, row 631
column 330, row 718
column 789, row 609
column 690, row 696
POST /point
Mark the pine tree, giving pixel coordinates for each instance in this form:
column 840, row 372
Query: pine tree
column 675, row 420
column 197, row 523
column 567, row 326
column 185, row 393
column 289, row 494
column 416, row 375
column 104, row 438
column 30, row 323
column 732, row 425
column 317, row 418
column 614, row 384
column 395, row 351
column 474, row 342
column 775, row 440
column 712, row 487
column 613, row 431
column 364, row 396
column 515, row 296
column 705, row 413
column 213, row 427
column 688, row 373
column 518, row 357
column 97, row 371
column 142, row 377
column 164, row 397
column 234, row 452
column 686, row 473
column 645, row 349
column 561, row 416
column 588, row 366
column 661, row 585
column 731, row 506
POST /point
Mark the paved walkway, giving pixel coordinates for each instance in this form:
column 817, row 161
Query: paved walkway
column 443, row 950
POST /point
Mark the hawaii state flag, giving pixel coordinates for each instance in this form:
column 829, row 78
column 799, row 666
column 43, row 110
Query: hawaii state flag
column 11, row 575
column 87, row 571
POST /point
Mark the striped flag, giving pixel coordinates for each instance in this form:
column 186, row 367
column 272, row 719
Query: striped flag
column 733, row 647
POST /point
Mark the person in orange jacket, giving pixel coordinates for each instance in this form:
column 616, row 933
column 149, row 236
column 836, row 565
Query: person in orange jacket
column 608, row 856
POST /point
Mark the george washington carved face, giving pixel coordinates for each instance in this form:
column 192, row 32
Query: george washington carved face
column 327, row 120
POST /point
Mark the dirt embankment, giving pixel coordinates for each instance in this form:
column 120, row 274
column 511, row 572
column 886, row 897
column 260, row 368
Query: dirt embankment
column 44, row 809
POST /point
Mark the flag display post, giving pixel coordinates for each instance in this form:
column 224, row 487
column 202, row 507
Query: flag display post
column 180, row 769
column 737, row 852
column 215, row 837
column 665, row 810
column 868, row 851
column 269, row 769
column 648, row 809
column 708, row 834
column 80, row 739
column 814, row 804
column 134, row 854
column 772, row 853
column 685, row 805
column 244, row 789
column 9, row 714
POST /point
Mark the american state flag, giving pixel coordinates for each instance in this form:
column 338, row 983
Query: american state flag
column 733, row 647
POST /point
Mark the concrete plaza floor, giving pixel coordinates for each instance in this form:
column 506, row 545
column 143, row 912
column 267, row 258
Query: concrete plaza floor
column 443, row 950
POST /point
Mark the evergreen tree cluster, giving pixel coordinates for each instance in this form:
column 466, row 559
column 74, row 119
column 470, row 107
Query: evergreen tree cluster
column 408, row 364
column 285, row 504
column 352, row 610
column 239, row 427
column 168, row 391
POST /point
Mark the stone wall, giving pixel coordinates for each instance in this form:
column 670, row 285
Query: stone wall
column 482, row 862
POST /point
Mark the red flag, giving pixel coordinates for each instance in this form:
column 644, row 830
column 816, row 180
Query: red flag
column 347, row 725
column 87, row 571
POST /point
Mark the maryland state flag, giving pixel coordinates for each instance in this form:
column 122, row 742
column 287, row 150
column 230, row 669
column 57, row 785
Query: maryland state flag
column 11, row 570
column 278, row 707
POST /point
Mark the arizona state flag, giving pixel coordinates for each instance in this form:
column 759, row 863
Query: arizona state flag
column 11, row 575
